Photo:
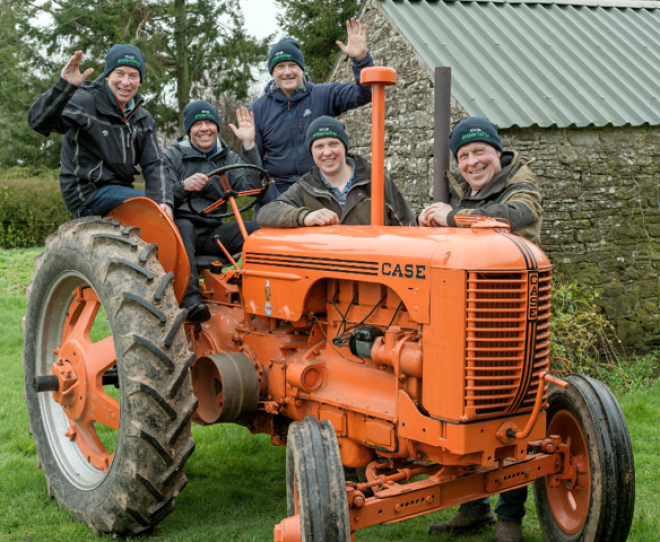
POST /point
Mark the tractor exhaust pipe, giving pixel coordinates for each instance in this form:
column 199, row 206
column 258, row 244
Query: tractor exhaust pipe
column 442, row 114
column 378, row 78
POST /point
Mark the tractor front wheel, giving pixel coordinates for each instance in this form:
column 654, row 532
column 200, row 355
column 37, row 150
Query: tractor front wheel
column 101, row 309
column 598, row 503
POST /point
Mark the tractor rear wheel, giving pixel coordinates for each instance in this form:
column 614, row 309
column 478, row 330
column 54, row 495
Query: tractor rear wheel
column 599, row 503
column 113, row 458
column 315, row 484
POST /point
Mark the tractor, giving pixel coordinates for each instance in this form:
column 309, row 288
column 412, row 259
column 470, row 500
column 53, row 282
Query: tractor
column 418, row 355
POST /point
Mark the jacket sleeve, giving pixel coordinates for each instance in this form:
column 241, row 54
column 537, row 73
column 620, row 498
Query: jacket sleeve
column 521, row 206
column 287, row 211
column 401, row 208
column 152, row 163
column 244, row 179
column 345, row 96
column 174, row 172
column 50, row 113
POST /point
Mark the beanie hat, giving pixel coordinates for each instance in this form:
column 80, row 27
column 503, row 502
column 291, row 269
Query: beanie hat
column 285, row 50
column 326, row 127
column 124, row 55
column 474, row 129
column 199, row 110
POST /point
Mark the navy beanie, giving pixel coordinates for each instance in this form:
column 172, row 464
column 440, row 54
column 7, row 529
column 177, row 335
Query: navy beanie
column 124, row 55
column 285, row 50
column 199, row 110
column 474, row 129
column 326, row 127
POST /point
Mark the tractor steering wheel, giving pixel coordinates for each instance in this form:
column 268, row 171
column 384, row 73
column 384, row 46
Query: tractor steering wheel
column 258, row 193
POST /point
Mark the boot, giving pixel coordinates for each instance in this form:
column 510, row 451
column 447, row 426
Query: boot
column 463, row 523
column 507, row 531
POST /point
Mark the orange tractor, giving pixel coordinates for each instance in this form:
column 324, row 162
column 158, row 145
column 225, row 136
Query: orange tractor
column 418, row 354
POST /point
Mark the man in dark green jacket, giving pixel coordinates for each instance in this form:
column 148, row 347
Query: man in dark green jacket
column 337, row 190
column 494, row 184
column 188, row 161
column 105, row 134
column 491, row 183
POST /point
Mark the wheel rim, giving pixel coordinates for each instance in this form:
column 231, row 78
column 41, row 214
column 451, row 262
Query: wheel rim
column 72, row 415
column 569, row 502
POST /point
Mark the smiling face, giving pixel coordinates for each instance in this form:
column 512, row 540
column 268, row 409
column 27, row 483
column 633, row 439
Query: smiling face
column 204, row 134
column 478, row 162
column 329, row 155
column 288, row 76
column 124, row 82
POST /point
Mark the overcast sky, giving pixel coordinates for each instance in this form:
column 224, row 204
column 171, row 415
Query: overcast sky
column 260, row 22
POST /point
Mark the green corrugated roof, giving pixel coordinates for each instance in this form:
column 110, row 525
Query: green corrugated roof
column 543, row 63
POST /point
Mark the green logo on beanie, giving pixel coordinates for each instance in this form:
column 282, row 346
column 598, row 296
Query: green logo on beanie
column 129, row 61
column 475, row 134
column 204, row 116
column 324, row 133
column 282, row 56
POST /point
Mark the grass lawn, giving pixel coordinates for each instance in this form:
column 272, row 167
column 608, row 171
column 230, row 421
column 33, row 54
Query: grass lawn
column 236, row 481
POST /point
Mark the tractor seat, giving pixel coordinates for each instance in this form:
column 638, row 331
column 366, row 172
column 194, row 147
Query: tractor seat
column 203, row 261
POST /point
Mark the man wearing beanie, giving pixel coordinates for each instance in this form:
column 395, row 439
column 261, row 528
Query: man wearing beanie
column 491, row 182
column 188, row 160
column 496, row 184
column 337, row 190
column 291, row 102
column 105, row 134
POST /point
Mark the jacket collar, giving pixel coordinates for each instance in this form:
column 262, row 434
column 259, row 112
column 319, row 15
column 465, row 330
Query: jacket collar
column 362, row 174
column 511, row 163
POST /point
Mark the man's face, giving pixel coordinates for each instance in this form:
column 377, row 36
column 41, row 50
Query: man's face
column 204, row 134
column 124, row 82
column 478, row 162
column 288, row 76
column 329, row 155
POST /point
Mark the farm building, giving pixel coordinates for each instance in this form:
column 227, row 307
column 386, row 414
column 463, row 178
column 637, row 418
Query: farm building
column 575, row 85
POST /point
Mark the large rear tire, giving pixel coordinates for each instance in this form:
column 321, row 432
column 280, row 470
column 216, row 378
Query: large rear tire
column 599, row 504
column 315, row 484
column 89, row 264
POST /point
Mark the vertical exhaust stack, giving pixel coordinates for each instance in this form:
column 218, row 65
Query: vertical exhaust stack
column 378, row 78
column 442, row 102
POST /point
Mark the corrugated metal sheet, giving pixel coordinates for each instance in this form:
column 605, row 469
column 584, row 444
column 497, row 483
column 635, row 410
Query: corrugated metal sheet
column 525, row 64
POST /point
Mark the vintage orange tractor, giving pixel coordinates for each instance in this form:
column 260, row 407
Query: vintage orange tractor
column 419, row 354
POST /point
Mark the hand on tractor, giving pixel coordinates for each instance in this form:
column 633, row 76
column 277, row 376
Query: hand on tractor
column 195, row 182
column 165, row 207
column 356, row 45
column 245, row 130
column 71, row 72
column 434, row 215
column 322, row 217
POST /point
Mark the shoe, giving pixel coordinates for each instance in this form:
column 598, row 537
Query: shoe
column 463, row 523
column 198, row 314
column 507, row 531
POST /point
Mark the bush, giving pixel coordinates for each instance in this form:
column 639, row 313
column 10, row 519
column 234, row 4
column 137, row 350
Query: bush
column 30, row 210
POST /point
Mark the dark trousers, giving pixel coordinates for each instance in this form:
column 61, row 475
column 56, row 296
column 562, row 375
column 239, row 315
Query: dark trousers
column 510, row 506
column 107, row 198
column 199, row 240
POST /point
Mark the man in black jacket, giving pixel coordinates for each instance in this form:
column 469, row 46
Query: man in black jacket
column 106, row 134
column 188, row 161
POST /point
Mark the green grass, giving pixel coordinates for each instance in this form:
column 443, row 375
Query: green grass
column 236, row 489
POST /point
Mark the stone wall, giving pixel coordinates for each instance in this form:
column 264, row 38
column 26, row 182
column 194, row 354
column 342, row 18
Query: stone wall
column 601, row 187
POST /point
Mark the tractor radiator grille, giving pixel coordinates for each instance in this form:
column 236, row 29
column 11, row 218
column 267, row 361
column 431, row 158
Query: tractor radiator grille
column 504, row 312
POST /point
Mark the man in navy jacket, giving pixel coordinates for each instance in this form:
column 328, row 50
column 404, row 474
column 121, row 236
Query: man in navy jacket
column 291, row 102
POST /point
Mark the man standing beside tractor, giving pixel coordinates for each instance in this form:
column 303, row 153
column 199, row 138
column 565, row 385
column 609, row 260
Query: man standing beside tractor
column 496, row 184
column 336, row 191
column 106, row 133
column 188, row 161
column 291, row 102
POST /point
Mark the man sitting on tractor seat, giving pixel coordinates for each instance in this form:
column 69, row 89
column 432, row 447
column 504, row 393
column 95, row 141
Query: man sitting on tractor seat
column 491, row 183
column 105, row 132
column 336, row 191
column 494, row 184
column 188, row 161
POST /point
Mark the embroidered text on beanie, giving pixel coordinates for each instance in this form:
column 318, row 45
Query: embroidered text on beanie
column 124, row 55
column 197, row 111
column 285, row 50
column 474, row 129
column 326, row 127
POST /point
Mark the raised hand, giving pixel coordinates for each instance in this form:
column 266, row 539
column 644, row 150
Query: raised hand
column 356, row 45
column 71, row 72
column 245, row 130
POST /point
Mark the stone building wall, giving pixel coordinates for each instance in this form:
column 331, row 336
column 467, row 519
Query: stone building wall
column 601, row 187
